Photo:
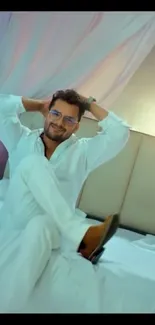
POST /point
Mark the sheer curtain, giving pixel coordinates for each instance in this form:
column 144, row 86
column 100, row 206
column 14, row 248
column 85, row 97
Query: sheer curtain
column 95, row 52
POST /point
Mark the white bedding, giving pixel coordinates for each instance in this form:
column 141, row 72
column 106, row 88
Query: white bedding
column 123, row 281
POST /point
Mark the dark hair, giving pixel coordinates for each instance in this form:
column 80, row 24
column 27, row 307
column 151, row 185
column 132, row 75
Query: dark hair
column 71, row 97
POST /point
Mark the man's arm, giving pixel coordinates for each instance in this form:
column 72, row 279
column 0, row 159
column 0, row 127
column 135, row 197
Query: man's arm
column 107, row 143
column 35, row 105
column 11, row 129
column 98, row 112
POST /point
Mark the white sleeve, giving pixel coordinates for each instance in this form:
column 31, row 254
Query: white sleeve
column 107, row 143
column 11, row 129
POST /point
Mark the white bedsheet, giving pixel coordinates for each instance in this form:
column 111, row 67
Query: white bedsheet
column 123, row 281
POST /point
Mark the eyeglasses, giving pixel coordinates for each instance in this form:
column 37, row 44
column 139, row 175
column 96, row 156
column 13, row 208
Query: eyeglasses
column 67, row 120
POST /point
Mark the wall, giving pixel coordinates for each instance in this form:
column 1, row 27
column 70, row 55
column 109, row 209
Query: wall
column 136, row 104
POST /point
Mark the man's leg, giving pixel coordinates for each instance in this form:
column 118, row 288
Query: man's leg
column 33, row 192
column 34, row 204
column 34, row 187
column 38, row 240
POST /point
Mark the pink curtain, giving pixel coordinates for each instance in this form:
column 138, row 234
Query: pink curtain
column 95, row 52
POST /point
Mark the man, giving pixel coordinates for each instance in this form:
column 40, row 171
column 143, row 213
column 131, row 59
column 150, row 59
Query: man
column 47, row 170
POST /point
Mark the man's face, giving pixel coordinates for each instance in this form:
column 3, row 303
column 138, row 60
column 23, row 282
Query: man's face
column 61, row 121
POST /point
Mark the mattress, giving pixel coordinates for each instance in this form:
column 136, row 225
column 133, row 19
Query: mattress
column 122, row 282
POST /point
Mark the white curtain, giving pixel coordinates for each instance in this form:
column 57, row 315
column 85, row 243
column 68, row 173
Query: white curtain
column 95, row 52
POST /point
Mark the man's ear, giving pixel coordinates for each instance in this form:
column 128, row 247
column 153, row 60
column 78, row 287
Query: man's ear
column 77, row 127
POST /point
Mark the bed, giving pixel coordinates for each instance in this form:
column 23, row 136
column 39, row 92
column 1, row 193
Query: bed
column 122, row 282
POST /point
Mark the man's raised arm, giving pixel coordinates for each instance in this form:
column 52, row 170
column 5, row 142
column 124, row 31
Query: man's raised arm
column 11, row 107
column 109, row 141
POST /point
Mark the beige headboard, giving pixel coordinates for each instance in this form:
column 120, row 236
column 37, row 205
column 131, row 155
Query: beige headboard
column 125, row 185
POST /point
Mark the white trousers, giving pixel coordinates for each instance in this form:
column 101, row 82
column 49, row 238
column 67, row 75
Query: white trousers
column 34, row 204
column 34, row 190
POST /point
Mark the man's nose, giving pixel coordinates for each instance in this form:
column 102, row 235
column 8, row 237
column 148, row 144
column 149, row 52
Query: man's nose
column 60, row 121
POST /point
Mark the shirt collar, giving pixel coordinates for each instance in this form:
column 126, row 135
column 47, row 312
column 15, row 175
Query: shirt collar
column 62, row 145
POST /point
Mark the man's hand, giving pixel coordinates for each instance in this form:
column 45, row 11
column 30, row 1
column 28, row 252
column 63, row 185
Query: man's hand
column 98, row 112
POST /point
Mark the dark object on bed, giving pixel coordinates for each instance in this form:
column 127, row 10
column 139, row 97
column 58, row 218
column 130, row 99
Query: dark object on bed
column 3, row 159
column 101, row 219
column 97, row 253
column 94, row 258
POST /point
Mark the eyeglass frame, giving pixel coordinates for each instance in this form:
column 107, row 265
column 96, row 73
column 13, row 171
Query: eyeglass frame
column 72, row 119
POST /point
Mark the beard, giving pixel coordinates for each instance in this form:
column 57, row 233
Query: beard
column 54, row 134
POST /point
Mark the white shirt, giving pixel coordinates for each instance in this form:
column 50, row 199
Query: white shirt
column 73, row 159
